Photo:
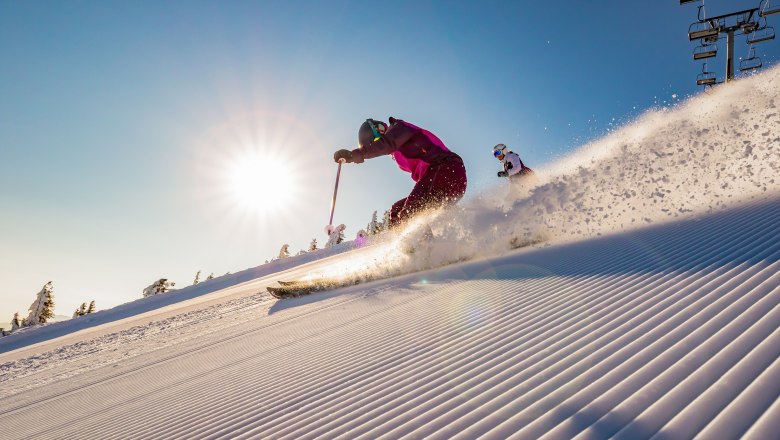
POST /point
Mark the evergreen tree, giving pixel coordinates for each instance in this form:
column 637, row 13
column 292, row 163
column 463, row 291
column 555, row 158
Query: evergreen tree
column 91, row 308
column 42, row 309
column 210, row 277
column 76, row 314
column 373, row 225
column 160, row 286
column 15, row 324
column 336, row 236
column 313, row 245
column 284, row 252
column 386, row 221
column 197, row 278
column 83, row 309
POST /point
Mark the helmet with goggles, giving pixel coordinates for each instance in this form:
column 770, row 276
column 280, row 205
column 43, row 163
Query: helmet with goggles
column 370, row 131
column 500, row 150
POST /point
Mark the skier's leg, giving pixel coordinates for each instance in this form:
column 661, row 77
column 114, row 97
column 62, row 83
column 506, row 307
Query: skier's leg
column 451, row 182
column 443, row 184
column 395, row 212
column 420, row 197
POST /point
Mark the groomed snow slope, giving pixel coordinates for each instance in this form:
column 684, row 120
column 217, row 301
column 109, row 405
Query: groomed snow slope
column 651, row 308
column 672, row 331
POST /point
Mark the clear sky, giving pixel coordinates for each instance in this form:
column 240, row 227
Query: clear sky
column 124, row 124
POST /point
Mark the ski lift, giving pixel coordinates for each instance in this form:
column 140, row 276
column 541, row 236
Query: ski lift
column 767, row 9
column 766, row 33
column 705, row 51
column 749, row 27
column 702, row 29
column 751, row 63
column 705, row 78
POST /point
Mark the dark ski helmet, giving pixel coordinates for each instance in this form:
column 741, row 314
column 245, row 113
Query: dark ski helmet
column 370, row 131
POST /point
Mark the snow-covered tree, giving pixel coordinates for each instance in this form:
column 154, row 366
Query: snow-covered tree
column 84, row 309
column 210, row 277
column 385, row 221
column 197, row 278
column 42, row 309
column 15, row 324
column 80, row 311
column 373, row 225
column 160, row 286
column 313, row 245
column 284, row 252
column 361, row 238
column 336, row 236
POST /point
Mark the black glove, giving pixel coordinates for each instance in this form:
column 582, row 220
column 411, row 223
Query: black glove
column 343, row 154
column 503, row 174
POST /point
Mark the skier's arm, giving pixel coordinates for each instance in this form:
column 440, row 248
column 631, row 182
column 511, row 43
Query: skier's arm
column 397, row 135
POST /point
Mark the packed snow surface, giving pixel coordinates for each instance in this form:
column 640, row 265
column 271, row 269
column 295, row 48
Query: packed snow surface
column 644, row 302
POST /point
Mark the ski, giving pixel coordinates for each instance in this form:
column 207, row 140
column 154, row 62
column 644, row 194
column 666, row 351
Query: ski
column 290, row 283
column 283, row 292
column 294, row 289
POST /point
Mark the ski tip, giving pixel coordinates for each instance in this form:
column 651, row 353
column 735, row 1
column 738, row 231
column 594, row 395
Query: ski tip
column 274, row 292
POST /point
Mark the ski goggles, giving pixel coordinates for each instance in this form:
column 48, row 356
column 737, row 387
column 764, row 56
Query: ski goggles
column 373, row 127
column 498, row 153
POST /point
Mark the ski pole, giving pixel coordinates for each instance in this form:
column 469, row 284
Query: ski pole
column 335, row 191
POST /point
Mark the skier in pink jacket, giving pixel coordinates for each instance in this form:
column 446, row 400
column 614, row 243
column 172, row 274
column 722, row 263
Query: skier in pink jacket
column 439, row 173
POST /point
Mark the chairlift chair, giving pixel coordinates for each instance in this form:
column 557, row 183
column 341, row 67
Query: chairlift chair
column 761, row 35
column 702, row 29
column 751, row 63
column 705, row 78
column 705, row 51
column 767, row 9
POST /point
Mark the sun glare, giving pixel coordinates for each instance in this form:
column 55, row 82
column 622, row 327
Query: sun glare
column 262, row 183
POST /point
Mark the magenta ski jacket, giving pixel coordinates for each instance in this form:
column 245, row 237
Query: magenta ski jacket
column 414, row 149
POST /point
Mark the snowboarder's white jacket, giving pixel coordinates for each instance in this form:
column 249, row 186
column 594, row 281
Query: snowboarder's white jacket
column 512, row 164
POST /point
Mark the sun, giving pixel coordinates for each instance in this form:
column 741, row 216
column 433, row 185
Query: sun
column 260, row 182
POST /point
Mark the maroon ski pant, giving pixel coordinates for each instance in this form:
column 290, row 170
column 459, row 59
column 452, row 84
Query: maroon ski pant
column 443, row 184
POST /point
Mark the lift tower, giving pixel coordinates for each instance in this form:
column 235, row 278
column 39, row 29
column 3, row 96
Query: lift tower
column 710, row 29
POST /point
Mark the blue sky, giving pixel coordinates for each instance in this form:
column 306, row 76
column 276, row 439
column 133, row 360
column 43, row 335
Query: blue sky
column 118, row 119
